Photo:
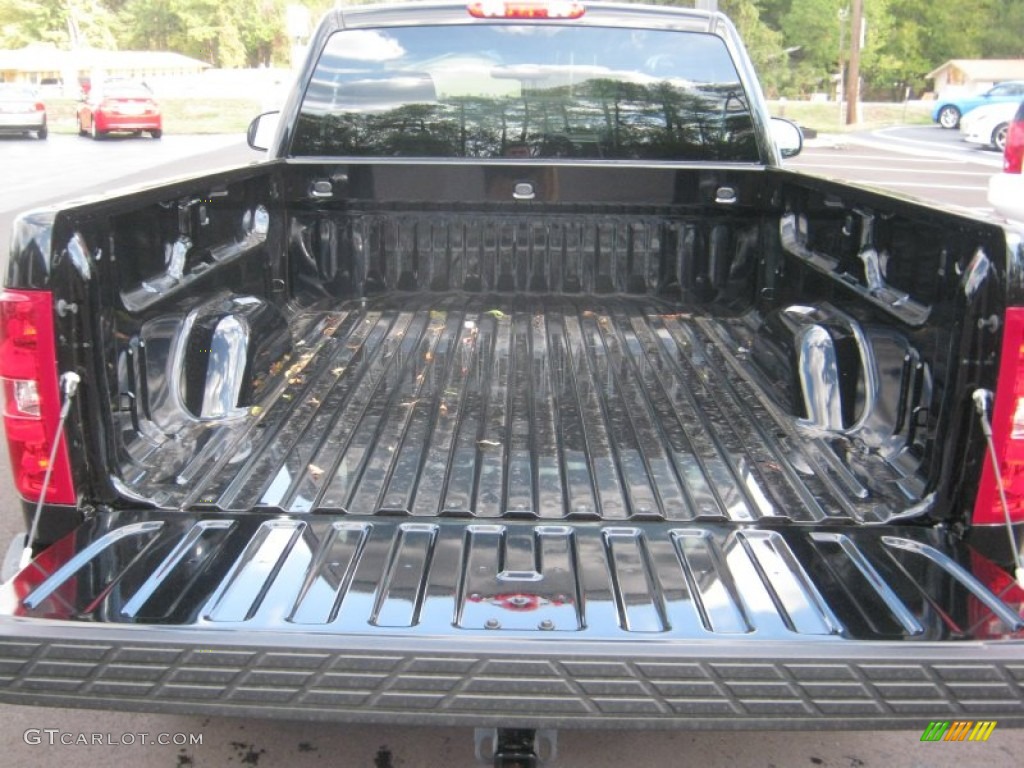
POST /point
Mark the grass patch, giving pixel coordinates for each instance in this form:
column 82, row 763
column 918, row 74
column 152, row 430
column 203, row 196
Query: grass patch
column 181, row 115
column 824, row 116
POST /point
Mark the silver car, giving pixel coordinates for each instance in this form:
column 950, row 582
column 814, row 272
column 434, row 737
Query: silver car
column 21, row 111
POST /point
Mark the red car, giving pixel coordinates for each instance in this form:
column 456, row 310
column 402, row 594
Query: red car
column 119, row 108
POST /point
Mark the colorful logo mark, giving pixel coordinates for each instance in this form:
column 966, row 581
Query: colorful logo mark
column 958, row 730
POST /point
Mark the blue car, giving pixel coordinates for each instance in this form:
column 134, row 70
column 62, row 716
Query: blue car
column 948, row 112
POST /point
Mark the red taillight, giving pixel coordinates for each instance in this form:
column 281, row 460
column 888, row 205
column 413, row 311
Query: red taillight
column 1007, row 430
column 40, row 107
column 524, row 9
column 985, row 624
column 1013, row 155
column 28, row 375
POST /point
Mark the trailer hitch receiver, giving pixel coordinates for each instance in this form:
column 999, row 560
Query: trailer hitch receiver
column 515, row 747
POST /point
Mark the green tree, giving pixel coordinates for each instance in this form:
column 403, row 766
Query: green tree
column 812, row 27
column 88, row 22
column 225, row 33
column 263, row 34
column 794, row 44
column 772, row 12
column 150, row 25
column 765, row 45
column 91, row 22
column 32, row 21
column 1003, row 35
column 909, row 38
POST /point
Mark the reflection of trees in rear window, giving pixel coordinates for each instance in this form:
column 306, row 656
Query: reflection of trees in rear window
column 507, row 91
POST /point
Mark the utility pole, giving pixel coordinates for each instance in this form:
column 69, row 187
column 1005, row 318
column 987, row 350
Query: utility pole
column 844, row 15
column 853, row 73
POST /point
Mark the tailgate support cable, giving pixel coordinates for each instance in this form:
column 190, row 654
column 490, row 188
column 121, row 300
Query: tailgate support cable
column 69, row 382
column 982, row 397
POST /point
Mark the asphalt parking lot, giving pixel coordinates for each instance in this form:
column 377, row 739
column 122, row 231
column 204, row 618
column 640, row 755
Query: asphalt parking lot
column 65, row 166
column 925, row 162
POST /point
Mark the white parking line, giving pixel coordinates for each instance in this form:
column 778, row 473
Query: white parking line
column 880, row 139
column 886, row 132
column 913, row 185
column 908, row 156
column 890, row 157
column 890, row 169
column 897, row 157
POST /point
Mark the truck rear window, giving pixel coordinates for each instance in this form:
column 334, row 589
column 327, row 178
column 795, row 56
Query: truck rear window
column 526, row 91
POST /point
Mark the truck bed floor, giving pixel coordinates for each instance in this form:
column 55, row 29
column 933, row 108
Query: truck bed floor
column 539, row 408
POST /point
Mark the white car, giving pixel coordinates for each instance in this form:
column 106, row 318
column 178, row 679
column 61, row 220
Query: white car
column 987, row 125
column 1006, row 189
column 21, row 111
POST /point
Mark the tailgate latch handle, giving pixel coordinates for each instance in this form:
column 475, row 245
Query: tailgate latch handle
column 523, row 190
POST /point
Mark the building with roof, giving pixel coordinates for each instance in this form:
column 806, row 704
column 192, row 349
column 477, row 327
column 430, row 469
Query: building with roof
column 970, row 76
column 42, row 64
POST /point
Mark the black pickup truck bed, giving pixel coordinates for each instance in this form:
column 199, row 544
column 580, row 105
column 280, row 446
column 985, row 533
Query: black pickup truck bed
column 528, row 408
column 543, row 480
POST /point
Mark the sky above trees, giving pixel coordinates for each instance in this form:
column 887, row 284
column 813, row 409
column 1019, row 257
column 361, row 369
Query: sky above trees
column 795, row 44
